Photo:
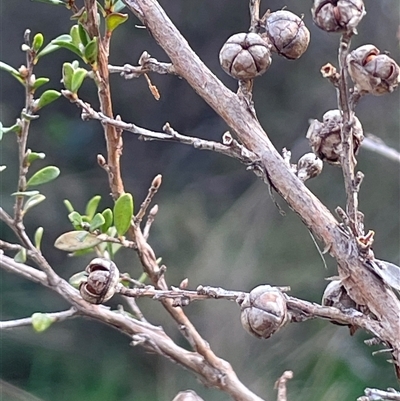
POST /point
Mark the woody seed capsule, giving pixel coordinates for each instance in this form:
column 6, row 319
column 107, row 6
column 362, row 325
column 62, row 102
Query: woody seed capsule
column 338, row 15
column 245, row 56
column 309, row 166
column 287, row 34
column 325, row 137
column 371, row 71
column 263, row 311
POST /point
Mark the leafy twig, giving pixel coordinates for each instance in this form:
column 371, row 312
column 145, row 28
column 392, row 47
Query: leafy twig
column 55, row 316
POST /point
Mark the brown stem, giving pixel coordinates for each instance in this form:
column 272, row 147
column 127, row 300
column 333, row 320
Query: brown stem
column 363, row 286
column 347, row 160
column 112, row 135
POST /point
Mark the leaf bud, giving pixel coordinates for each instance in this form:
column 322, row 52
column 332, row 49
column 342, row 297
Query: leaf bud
column 287, row 34
column 263, row 311
column 338, row 15
column 245, row 56
column 102, row 281
column 309, row 166
column 325, row 137
column 371, row 71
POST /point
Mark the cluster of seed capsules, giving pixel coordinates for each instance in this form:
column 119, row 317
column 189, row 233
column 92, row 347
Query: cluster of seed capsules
column 245, row 56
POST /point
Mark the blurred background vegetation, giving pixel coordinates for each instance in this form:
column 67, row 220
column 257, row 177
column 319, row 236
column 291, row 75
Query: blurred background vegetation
column 216, row 225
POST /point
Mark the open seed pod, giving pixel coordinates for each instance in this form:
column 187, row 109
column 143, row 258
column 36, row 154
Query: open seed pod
column 287, row 34
column 245, row 56
column 371, row 71
column 338, row 15
column 325, row 139
column 102, row 280
column 263, row 311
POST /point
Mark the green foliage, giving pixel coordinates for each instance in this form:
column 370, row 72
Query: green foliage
column 76, row 219
column 47, row 97
column 37, row 43
column 40, row 82
column 41, row 321
column 68, row 205
column 32, row 156
column 33, row 201
column 91, row 50
column 97, row 222
column 25, row 193
column 77, row 279
column 38, row 237
column 46, row 174
column 113, row 20
column 72, row 241
column 20, row 256
column 12, row 71
column 123, row 212
column 73, row 77
column 108, row 219
column 91, row 206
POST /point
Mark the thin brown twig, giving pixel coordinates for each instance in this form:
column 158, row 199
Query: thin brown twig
column 347, row 155
column 22, row 137
column 280, row 385
column 101, row 76
column 234, row 149
column 155, row 185
column 254, row 6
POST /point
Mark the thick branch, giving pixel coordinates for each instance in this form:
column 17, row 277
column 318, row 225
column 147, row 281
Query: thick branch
column 145, row 334
column 364, row 287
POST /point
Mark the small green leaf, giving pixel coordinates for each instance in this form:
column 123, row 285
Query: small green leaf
column 68, row 205
column 44, row 175
column 67, row 45
column 41, row 321
column 39, row 82
column 38, row 237
column 20, row 257
column 33, row 201
column 12, row 71
column 119, row 5
column 113, row 20
column 123, row 211
column 77, row 79
column 83, row 35
column 91, row 206
column 77, row 279
column 47, row 97
column 91, row 50
column 97, row 221
column 75, row 240
column 2, row 168
column 67, row 74
column 37, row 42
column 55, row 2
column 16, row 128
column 108, row 219
column 76, row 219
column 35, row 156
column 74, row 33
column 51, row 47
column 25, row 193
